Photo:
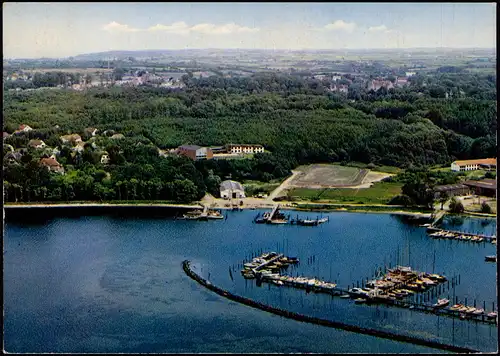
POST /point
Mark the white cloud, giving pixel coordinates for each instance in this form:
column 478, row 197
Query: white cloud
column 115, row 26
column 177, row 27
column 378, row 28
column 182, row 28
column 340, row 25
column 223, row 29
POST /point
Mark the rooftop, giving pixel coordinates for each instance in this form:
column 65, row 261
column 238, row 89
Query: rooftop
column 190, row 147
column 491, row 161
column 50, row 162
column 231, row 185
column 441, row 188
column 485, row 183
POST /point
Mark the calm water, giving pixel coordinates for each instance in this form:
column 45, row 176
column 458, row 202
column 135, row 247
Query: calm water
column 104, row 284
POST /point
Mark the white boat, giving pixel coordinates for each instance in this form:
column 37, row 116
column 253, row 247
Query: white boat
column 492, row 315
column 345, row 296
column 441, row 303
column 358, row 291
column 478, row 311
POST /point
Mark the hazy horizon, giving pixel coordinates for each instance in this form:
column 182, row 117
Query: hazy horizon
column 62, row 30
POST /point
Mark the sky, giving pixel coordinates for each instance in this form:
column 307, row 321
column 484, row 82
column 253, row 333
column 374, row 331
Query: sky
column 34, row 30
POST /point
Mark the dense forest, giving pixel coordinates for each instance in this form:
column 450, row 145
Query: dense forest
column 435, row 120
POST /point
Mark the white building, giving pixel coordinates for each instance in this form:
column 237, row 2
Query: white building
column 244, row 149
column 474, row 164
column 231, row 189
column 409, row 74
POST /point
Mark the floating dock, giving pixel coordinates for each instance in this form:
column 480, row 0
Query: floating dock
column 459, row 235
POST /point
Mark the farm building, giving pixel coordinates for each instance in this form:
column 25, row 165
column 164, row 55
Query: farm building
column 484, row 187
column 231, row 189
column 195, row 152
column 474, row 164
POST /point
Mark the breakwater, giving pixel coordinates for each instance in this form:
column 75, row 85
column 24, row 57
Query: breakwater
column 308, row 319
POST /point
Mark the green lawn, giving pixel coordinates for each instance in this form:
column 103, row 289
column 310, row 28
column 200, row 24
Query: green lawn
column 379, row 193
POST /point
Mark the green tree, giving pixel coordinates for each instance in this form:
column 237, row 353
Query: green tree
column 456, row 206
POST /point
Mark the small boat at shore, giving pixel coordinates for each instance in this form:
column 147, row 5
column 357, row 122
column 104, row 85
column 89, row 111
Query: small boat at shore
column 359, row 300
column 490, row 258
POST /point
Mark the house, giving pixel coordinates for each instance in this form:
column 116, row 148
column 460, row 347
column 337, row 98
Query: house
column 377, row 84
column 244, row 148
column 402, row 81
column 117, row 136
column 23, row 128
column 195, row 152
column 474, row 164
column 52, row 164
column 484, row 187
column 73, row 138
column 36, row 144
column 231, row 189
column 80, row 147
column 341, row 88
column 451, row 190
column 336, row 77
column 105, row 158
column 13, row 157
column 90, row 131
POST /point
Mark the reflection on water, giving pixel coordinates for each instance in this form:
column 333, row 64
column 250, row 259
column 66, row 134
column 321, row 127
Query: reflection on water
column 103, row 284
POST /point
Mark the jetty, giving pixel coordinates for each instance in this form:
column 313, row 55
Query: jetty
column 438, row 217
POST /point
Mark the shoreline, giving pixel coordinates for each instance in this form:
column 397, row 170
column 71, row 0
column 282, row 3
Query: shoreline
column 348, row 208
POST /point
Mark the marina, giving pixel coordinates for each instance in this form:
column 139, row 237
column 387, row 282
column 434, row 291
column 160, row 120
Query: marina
column 275, row 216
column 400, row 287
column 304, row 318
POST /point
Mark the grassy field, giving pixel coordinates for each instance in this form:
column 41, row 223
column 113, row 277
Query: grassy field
column 325, row 175
column 253, row 187
column 379, row 193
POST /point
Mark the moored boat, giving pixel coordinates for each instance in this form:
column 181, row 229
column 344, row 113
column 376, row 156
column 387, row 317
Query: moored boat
column 441, row 303
column 490, row 258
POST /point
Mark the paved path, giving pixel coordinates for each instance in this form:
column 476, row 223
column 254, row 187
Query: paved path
column 282, row 187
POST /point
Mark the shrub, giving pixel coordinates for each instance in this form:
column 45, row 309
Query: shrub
column 401, row 200
column 485, row 208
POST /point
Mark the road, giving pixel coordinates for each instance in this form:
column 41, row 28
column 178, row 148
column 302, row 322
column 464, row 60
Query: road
column 282, row 187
